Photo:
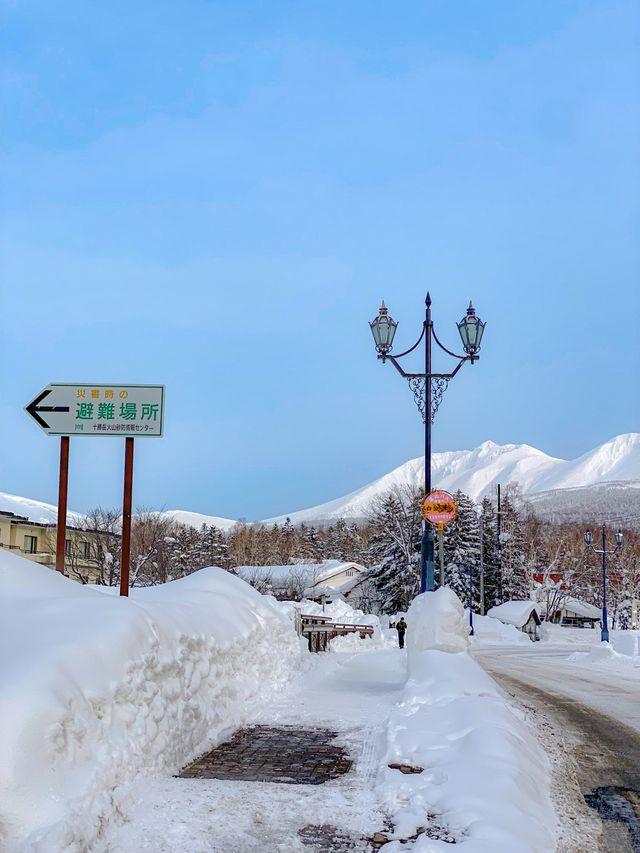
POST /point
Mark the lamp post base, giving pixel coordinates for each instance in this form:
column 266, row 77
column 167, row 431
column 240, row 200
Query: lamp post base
column 427, row 553
column 604, row 636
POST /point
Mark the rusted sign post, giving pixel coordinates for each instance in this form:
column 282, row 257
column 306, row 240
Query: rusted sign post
column 439, row 508
column 83, row 409
column 61, row 529
column 127, row 502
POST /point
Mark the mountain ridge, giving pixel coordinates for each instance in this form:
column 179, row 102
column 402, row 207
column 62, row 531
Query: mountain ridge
column 475, row 472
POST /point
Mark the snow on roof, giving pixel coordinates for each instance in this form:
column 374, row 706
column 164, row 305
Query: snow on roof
column 314, row 574
column 574, row 605
column 38, row 511
column 581, row 608
column 280, row 575
column 513, row 612
column 330, row 568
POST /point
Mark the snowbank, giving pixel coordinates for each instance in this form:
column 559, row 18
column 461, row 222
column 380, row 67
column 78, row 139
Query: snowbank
column 492, row 632
column 99, row 689
column 485, row 781
column 625, row 642
column 436, row 621
column 337, row 611
column 606, row 653
column 340, row 611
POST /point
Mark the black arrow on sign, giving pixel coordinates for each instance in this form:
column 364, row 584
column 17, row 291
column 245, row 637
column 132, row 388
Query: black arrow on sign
column 33, row 408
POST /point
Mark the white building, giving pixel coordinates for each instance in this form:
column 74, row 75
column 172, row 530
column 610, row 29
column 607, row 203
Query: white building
column 309, row 580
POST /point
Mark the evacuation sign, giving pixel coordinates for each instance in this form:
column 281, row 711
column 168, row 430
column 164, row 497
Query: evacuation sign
column 99, row 410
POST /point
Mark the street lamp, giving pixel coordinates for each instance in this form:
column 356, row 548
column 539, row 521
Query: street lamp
column 428, row 389
column 588, row 539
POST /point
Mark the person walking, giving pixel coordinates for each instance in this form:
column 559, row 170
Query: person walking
column 401, row 628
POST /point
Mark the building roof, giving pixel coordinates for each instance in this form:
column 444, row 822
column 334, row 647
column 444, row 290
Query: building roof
column 312, row 574
column 330, row 568
column 574, row 605
column 515, row 613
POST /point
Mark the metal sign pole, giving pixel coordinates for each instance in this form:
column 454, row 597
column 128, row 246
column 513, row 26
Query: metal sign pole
column 126, row 516
column 61, row 530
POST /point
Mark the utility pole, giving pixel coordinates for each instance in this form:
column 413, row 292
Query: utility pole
column 500, row 592
column 481, row 566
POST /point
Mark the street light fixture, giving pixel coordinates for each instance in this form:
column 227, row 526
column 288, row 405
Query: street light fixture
column 588, row 539
column 471, row 329
column 428, row 389
column 383, row 329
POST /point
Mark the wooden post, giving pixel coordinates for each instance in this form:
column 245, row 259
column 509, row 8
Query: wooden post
column 126, row 516
column 61, row 530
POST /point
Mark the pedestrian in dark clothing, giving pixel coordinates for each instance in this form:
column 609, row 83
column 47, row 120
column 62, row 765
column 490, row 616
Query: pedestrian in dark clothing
column 401, row 628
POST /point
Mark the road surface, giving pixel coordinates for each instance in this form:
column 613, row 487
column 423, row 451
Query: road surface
column 597, row 706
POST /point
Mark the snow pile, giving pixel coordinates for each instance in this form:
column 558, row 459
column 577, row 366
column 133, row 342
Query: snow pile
column 626, row 642
column 493, row 632
column 436, row 621
column 607, row 653
column 99, row 689
column 513, row 612
column 340, row 611
column 356, row 643
column 337, row 611
column 485, row 781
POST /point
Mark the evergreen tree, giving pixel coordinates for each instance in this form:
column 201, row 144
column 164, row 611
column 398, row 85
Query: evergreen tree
column 287, row 542
column 462, row 549
column 516, row 582
column 310, row 544
column 490, row 553
column 394, row 550
column 214, row 550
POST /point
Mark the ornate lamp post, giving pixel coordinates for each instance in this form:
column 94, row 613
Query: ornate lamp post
column 588, row 538
column 428, row 389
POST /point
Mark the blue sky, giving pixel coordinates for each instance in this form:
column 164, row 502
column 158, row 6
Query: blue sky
column 216, row 196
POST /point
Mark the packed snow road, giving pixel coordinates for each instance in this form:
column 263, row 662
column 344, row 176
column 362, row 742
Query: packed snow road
column 197, row 815
column 596, row 706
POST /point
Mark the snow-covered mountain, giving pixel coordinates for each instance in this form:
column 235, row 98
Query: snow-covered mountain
column 608, row 474
column 477, row 471
column 197, row 519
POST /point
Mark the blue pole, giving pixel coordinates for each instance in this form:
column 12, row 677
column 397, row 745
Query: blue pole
column 605, row 628
column 427, row 553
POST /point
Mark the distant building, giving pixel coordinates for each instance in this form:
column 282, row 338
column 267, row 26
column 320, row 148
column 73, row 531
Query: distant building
column 36, row 540
column 302, row 580
column 576, row 614
column 521, row 614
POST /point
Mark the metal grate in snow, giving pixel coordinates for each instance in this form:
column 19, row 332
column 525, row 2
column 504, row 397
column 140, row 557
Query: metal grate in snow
column 288, row 754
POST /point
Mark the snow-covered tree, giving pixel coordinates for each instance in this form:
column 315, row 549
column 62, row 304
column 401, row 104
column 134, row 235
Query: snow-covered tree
column 490, row 553
column 394, row 550
column 516, row 580
column 462, row 549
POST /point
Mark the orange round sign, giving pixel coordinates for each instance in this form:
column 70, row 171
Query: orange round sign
column 439, row 507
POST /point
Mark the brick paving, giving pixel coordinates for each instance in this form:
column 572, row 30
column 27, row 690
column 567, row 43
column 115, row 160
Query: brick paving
column 289, row 754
